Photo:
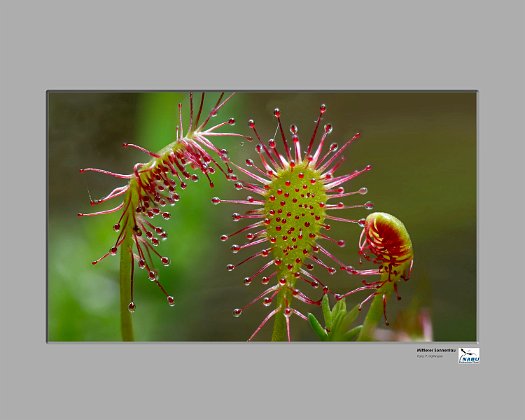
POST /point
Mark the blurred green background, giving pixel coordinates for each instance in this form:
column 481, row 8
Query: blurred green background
column 422, row 146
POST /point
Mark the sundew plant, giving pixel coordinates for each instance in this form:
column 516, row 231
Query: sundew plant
column 150, row 188
column 296, row 196
column 287, row 203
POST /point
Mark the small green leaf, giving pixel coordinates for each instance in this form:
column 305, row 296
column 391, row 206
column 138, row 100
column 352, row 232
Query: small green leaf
column 327, row 313
column 352, row 334
column 338, row 314
column 352, row 315
column 343, row 322
column 317, row 327
column 340, row 306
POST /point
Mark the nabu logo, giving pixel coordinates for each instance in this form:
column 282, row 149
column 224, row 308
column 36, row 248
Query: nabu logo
column 468, row 355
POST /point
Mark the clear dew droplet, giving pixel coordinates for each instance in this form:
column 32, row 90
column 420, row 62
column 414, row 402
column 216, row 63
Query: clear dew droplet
column 170, row 300
column 363, row 190
column 237, row 312
column 267, row 301
column 369, row 205
column 230, row 267
column 131, row 307
column 361, row 222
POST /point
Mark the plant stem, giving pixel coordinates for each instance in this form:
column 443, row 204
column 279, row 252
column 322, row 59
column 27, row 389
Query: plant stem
column 372, row 318
column 126, row 323
column 375, row 313
column 279, row 326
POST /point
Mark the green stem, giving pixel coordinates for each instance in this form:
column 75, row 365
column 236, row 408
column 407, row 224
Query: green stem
column 375, row 313
column 126, row 323
column 279, row 328
column 372, row 318
column 279, row 325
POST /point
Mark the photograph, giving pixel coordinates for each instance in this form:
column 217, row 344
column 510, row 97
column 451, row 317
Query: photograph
column 287, row 211
column 296, row 216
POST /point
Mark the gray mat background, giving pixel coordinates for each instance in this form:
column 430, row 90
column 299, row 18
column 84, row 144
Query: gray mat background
column 266, row 45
